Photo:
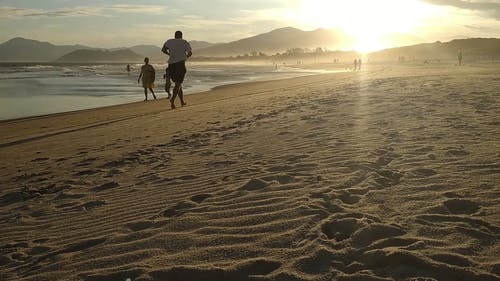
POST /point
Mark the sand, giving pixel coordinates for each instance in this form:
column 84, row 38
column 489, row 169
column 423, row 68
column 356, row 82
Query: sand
column 391, row 173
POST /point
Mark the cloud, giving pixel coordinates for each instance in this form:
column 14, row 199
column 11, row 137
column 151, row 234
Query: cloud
column 82, row 11
column 486, row 30
column 139, row 9
column 11, row 12
column 489, row 8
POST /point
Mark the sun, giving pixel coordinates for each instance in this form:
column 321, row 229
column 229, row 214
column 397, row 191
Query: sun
column 369, row 23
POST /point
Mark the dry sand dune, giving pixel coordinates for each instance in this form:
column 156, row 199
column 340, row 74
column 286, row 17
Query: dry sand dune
column 391, row 173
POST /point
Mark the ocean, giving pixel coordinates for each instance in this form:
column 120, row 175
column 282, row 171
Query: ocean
column 32, row 89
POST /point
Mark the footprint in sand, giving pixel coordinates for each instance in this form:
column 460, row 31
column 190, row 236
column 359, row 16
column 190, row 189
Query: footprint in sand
column 452, row 259
column 16, row 196
column 40, row 159
column 71, row 248
column 385, row 157
column 87, row 172
column 187, row 177
column 86, row 162
column 403, row 243
column 254, row 184
column 450, row 194
column 349, row 198
column 461, row 206
column 424, row 172
column 281, row 179
column 373, row 232
column 409, row 263
column 420, row 279
column 122, row 275
column 250, row 270
column 141, row 225
column 456, row 152
column 280, row 168
column 113, row 172
column 63, row 195
column 200, row 198
column 388, row 178
column 299, row 168
column 19, row 257
column 87, row 206
column 285, row 133
column 82, row 245
column 114, row 164
column 179, row 209
column 188, row 273
column 240, row 123
column 38, row 250
column 253, row 268
column 341, row 229
column 41, row 240
column 105, row 186
column 223, row 163
column 319, row 262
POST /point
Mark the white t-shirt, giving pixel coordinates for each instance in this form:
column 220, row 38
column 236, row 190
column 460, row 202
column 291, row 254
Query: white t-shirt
column 178, row 49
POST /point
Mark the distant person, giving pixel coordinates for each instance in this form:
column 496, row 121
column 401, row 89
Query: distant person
column 128, row 68
column 148, row 78
column 168, row 82
column 355, row 64
column 359, row 64
column 178, row 51
column 459, row 55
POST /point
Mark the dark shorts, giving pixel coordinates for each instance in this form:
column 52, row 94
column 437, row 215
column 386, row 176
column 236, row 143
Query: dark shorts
column 177, row 71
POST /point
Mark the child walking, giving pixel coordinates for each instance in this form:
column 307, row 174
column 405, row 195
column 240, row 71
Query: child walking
column 148, row 78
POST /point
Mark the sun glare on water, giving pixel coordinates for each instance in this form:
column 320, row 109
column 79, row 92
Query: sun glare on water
column 370, row 23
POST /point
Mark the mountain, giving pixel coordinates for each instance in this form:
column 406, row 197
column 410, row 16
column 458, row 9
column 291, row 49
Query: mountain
column 121, row 55
column 151, row 51
column 196, row 45
column 278, row 40
column 401, row 39
column 20, row 49
column 473, row 48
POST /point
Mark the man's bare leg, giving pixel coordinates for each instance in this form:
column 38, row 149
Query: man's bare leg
column 181, row 96
column 145, row 94
column 176, row 92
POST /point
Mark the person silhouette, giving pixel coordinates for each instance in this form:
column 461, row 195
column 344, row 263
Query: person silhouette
column 355, row 64
column 178, row 51
column 359, row 64
column 148, row 78
column 459, row 55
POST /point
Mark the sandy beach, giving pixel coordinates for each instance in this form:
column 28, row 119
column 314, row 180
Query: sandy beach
column 389, row 173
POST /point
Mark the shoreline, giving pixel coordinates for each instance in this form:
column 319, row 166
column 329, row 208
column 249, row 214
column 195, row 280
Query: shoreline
column 72, row 100
column 214, row 88
column 217, row 93
column 37, row 128
column 322, row 68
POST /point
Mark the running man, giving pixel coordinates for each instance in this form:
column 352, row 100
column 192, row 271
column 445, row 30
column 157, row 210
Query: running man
column 178, row 51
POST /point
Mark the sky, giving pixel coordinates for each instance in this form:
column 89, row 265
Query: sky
column 124, row 23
